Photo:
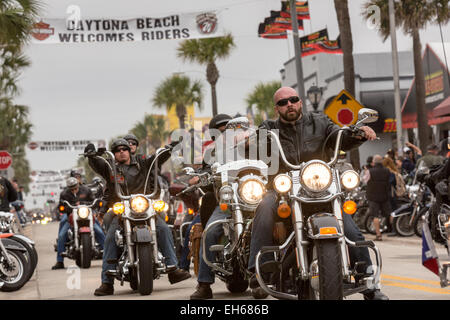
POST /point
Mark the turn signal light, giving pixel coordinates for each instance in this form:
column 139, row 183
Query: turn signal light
column 328, row 230
column 284, row 210
column 166, row 218
column 223, row 206
column 61, row 208
column 349, row 207
column 190, row 211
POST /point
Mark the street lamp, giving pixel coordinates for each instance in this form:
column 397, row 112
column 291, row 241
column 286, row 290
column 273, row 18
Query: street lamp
column 314, row 95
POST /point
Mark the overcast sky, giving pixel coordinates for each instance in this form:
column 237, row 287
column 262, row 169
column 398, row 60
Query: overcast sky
column 98, row 91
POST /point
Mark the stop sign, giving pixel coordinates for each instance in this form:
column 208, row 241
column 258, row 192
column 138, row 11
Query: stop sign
column 5, row 160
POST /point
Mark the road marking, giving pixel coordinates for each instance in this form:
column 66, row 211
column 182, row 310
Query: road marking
column 414, row 286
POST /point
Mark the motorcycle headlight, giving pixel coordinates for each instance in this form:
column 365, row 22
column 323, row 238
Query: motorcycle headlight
column 282, row 183
column 316, row 176
column 251, row 191
column 83, row 212
column 350, row 179
column 225, row 194
column 139, row 204
column 159, row 205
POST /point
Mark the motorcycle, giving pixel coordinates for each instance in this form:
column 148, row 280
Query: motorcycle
column 407, row 217
column 81, row 245
column 139, row 261
column 312, row 261
column 239, row 186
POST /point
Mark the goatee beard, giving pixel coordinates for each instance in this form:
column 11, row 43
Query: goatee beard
column 290, row 117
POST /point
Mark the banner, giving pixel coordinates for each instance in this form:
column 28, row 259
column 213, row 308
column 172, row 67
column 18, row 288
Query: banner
column 177, row 26
column 76, row 145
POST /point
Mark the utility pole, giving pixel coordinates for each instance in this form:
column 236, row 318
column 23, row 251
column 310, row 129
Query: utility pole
column 398, row 112
column 298, row 54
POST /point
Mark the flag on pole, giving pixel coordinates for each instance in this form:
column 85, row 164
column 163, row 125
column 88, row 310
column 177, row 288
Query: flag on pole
column 429, row 255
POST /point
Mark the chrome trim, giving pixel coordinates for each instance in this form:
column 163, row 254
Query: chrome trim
column 209, row 263
column 315, row 200
column 273, row 293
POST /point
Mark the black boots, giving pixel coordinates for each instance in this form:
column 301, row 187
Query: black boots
column 58, row 265
column 178, row 275
column 105, row 289
column 203, row 292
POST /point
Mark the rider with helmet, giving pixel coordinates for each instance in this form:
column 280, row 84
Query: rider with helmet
column 131, row 176
column 76, row 194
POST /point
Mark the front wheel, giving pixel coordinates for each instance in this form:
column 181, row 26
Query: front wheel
column 85, row 254
column 369, row 226
column 403, row 226
column 145, row 268
column 14, row 274
column 330, row 284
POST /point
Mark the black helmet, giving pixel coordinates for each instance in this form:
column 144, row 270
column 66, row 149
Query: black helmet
column 131, row 136
column 120, row 143
column 219, row 120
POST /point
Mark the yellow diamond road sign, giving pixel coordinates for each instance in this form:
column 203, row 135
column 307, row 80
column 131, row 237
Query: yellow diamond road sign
column 343, row 110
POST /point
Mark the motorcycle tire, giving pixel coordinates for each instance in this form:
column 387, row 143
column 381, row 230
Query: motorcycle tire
column 85, row 254
column 418, row 222
column 237, row 284
column 368, row 223
column 31, row 252
column 330, row 269
column 133, row 279
column 145, row 268
column 19, row 272
column 402, row 226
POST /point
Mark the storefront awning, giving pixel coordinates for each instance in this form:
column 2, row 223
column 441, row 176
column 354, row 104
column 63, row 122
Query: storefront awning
column 443, row 109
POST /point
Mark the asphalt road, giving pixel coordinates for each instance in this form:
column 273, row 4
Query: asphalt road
column 403, row 276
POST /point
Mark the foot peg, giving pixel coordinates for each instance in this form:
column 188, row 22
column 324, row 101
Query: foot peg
column 112, row 273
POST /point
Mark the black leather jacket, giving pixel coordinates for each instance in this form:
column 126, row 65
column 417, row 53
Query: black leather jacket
column 131, row 178
column 84, row 196
column 303, row 141
column 7, row 194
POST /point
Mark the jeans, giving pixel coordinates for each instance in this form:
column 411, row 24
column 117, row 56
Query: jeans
column 63, row 236
column 262, row 232
column 184, row 261
column 111, row 251
column 205, row 274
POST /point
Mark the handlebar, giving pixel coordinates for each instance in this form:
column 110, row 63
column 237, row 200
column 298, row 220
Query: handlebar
column 204, row 180
column 81, row 205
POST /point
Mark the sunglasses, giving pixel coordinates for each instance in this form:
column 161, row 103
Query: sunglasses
column 284, row 102
column 132, row 143
column 120, row 149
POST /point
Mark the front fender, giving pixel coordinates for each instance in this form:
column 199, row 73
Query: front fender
column 141, row 234
column 402, row 210
column 323, row 226
column 10, row 244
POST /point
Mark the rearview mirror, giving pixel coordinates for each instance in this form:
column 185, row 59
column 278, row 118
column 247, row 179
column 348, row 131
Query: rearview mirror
column 238, row 123
column 366, row 115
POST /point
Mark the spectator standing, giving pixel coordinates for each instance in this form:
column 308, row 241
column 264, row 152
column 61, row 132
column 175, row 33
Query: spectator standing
column 377, row 192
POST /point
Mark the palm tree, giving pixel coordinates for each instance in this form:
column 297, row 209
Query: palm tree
column 343, row 16
column 411, row 16
column 150, row 132
column 178, row 91
column 207, row 52
column 17, row 18
column 262, row 98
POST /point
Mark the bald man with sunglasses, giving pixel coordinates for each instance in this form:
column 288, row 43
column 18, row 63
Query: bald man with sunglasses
column 302, row 135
